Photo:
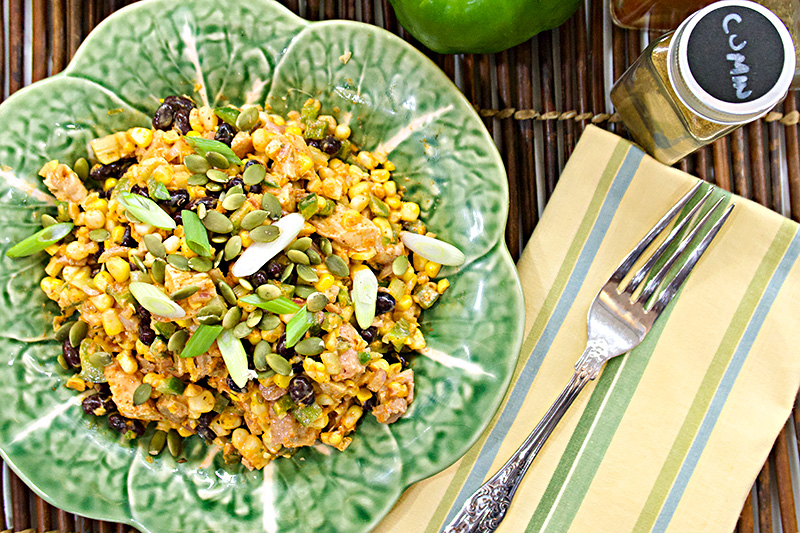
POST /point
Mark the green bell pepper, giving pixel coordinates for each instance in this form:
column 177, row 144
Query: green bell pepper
column 479, row 26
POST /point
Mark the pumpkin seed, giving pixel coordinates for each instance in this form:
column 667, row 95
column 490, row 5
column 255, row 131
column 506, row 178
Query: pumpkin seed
column 81, row 168
column 185, row 292
column 157, row 443
column 140, row 277
column 337, row 266
column 178, row 261
column 227, row 292
column 231, row 318
column 158, row 270
column 236, row 189
column 135, row 261
column 100, row 359
column 78, row 333
column 218, row 259
column 254, row 174
column 154, row 245
column 260, row 355
column 287, row 272
column 142, row 393
column 279, row 364
column 268, row 291
column 247, row 118
column 62, row 361
column 304, row 291
column 307, row 274
column 214, row 187
column 269, row 322
column 177, row 341
column 217, row 160
column 219, row 239
column 99, row 235
column 313, row 257
column 254, row 219
column 197, row 179
column 246, row 284
column 200, row 264
column 265, row 233
column 242, row 330
column 271, row 204
column 400, row 265
column 254, row 318
column 296, row 256
column 213, row 308
column 174, row 443
column 232, row 202
column 202, row 211
column 310, row 346
column 217, row 176
column 316, row 302
column 233, row 247
column 217, row 222
column 209, row 320
column 62, row 333
column 302, row 244
column 326, row 246
column 47, row 220
column 196, row 164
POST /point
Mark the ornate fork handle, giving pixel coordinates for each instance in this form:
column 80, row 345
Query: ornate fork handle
column 487, row 507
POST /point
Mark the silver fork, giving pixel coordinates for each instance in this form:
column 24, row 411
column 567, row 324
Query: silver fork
column 618, row 321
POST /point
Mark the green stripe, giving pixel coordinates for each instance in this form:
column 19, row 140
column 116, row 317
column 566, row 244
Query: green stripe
column 542, row 317
column 712, row 377
column 604, row 430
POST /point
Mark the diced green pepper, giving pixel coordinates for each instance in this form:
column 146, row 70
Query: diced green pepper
column 228, row 114
column 308, row 206
column 331, row 322
column 307, row 414
column 328, row 209
column 399, row 333
column 283, row 406
column 309, row 112
column 316, row 129
column 344, row 150
column 378, row 207
column 165, row 329
column 221, row 403
column 364, row 357
column 171, row 385
column 427, row 295
column 89, row 371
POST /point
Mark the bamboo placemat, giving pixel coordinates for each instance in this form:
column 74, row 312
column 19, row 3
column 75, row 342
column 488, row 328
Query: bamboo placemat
column 535, row 100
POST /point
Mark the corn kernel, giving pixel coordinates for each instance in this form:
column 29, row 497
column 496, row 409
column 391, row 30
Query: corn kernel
column 419, row 262
column 102, row 302
column 53, row 267
column 320, row 422
column 399, row 389
column 111, row 323
column 379, row 175
column 185, row 432
column 325, row 282
column 359, row 189
column 127, row 362
column 394, row 202
column 366, row 160
column 52, row 249
column 409, row 212
column 208, row 118
column 109, row 183
column 388, row 165
column 281, row 381
column 295, row 130
column 171, row 244
column 385, row 227
column 390, row 188
column 254, row 337
column 380, row 364
column 259, row 138
column 308, row 229
column 192, row 390
column 331, row 439
column 230, row 420
column 119, row 268
column 150, row 378
column 395, row 368
column 342, row 132
column 51, row 287
column 76, row 251
column 359, row 202
column 405, row 303
column 194, row 120
column 306, row 163
column 352, row 415
column 94, row 219
column 98, row 203
column 141, row 136
column 163, row 174
column 277, row 120
column 202, row 403
column 171, row 137
column 118, row 233
column 239, row 437
column 442, row 286
column 432, row 269
column 76, row 383
column 363, row 394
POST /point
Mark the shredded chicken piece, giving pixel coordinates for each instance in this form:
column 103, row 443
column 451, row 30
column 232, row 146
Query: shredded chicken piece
column 63, row 182
column 391, row 406
column 122, row 387
column 175, row 279
column 288, row 432
column 359, row 233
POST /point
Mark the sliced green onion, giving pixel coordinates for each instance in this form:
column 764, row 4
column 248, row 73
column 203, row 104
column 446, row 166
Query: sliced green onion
column 235, row 358
column 228, row 114
column 307, row 414
column 365, row 293
column 257, row 254
column 433, row 249
column 195, row 234
column 279, row 306
column 202, row 146
column 146, row 210
column 201, row 340
column 40, row 240
column 157, row 190
column 298, row 325
column 155, row 301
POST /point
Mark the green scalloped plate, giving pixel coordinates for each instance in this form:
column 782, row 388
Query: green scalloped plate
column 255, row 51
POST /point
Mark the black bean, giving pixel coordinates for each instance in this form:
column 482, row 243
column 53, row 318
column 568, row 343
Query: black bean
column 106, row 194
column 384, row 303
column 146, row 334
column 96, row 269
column 205, row 432
column 396, row 358
column 143, row 313
column 281, row 348
column 314, row 143
column 274, row 270
column 369, row 405
column 256, row 189
column 369, row 334
column 234, row 182
column 182, row 121
column 112, row 170
column 164, row 117
column 206, row 419
column 95, row 257
column 225, row 134
column 331, row 145
column 209, row 201
column 178, row 218
column 179, row 102
column 141, row 191
column 70, row 354
column 123, row 425
column 259, row 278
column 127, row 240
column 178, row 198
column 93, row 405
column 297, row 368
column 234, row 387
column 301, row 391
column 250, row 163
column 137, row 427
column 104, row 390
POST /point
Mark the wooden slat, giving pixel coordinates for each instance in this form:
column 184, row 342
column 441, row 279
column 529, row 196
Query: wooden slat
column 746, row 524
column 510, row 150
column 793, row 160
column 19, row 503
column 783, row 477
column 764, row 500
column 16, row 45
column 39, row 45
column 567, row 47
column 58, row 35
column 547, row 83
column 582, row 66
column 758, row 170
column 525, row 143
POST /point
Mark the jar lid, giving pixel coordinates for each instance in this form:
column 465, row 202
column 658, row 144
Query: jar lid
column 732, row 61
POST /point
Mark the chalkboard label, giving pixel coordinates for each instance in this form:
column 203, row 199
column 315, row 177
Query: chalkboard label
column 735, row 54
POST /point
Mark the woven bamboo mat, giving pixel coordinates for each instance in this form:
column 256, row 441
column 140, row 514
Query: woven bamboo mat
column 535, row 100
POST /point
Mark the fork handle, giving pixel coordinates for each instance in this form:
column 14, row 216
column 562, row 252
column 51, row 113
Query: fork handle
column 487, row 506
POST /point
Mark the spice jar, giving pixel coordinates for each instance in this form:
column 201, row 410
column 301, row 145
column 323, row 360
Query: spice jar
column 726, row 65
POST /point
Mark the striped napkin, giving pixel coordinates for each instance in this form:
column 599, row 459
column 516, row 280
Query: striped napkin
column 671, row 436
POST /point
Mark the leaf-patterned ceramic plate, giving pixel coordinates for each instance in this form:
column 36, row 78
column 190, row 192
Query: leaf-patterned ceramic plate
column 256, row 51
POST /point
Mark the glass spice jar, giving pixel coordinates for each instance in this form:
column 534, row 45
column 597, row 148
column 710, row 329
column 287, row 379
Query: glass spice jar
column 726, row 65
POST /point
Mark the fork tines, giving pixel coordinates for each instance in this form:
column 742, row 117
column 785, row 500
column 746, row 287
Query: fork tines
column 692, row 256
